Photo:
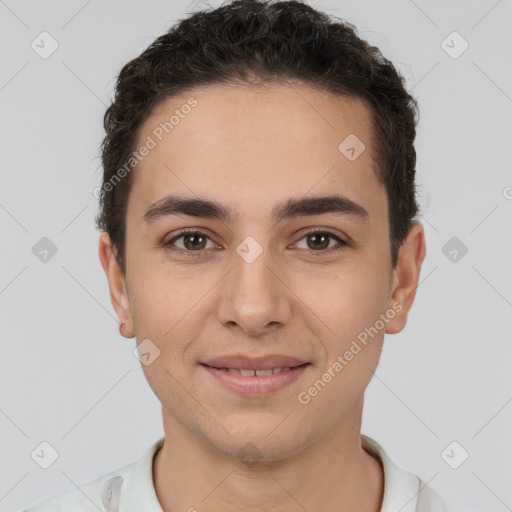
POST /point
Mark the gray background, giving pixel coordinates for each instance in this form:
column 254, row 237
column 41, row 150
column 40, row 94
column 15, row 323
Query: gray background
column 66, row 375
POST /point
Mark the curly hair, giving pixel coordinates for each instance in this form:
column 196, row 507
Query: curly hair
column 259, row 42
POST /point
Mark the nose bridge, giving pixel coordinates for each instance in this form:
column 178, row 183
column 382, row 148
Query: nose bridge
column 252, row 276
column 251, row 267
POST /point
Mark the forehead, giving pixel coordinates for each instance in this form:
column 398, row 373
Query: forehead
column 249, row 145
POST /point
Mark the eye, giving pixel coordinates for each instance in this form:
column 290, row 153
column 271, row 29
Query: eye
column 321, row 241
column 194, row 242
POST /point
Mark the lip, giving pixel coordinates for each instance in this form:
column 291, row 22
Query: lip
column 256, row 385
column 242, row 361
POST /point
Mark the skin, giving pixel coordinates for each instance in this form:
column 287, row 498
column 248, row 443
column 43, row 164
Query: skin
column 250, row 148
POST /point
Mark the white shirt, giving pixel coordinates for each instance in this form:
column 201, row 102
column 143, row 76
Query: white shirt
column 130, row 489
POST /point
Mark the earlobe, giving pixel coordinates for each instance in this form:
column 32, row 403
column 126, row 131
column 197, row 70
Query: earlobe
column 116, row 283
column 406, row 277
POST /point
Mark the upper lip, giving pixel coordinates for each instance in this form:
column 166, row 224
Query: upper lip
column 254, row 363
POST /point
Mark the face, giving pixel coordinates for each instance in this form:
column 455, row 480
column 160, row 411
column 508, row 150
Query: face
column 259, row 288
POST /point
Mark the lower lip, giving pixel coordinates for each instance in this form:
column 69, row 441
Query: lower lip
column 255, row 385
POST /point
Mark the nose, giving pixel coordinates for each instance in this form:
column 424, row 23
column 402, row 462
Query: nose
column 254, row 297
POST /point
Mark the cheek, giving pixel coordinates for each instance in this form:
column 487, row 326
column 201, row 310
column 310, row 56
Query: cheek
column 346, row 301
column 349, row 304
column 160, row 297
column 351, row 307
column 165, row 325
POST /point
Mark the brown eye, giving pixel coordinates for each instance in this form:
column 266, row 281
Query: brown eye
column 319, row 241
column 193, row 242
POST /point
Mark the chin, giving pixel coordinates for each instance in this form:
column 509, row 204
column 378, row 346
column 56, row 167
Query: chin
column 268, row 441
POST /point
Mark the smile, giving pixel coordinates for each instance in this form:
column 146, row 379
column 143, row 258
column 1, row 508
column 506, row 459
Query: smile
column 250, row 382
column 244, row 372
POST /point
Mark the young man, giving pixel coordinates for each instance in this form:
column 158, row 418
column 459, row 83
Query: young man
column 259, row 239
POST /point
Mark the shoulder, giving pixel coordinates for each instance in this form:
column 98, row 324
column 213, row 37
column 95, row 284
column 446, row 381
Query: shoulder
column 127, row 489
column 429, row 500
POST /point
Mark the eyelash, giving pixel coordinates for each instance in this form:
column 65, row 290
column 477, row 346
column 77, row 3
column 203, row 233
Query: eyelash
column 195, row 254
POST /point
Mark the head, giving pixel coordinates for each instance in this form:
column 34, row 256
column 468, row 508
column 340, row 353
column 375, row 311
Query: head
column 247, row 115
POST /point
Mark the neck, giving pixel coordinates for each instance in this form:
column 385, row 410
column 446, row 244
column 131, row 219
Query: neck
column 334, row 473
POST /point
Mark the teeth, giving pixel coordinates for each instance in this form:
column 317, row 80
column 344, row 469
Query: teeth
column 260, row 373
column 263, row 373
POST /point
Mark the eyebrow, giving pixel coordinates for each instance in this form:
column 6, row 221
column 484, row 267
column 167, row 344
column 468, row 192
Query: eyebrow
column 292, row 208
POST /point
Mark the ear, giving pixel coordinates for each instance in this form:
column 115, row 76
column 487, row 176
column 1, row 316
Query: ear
column 116, row 282
column 406, row 276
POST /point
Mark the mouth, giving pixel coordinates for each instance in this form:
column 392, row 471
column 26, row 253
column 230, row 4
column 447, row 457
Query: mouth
column 243, row 362
column 255, row 376
column 249, row 372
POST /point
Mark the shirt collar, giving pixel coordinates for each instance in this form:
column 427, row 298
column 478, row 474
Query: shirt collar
column 138, row 490
column 401, row 488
